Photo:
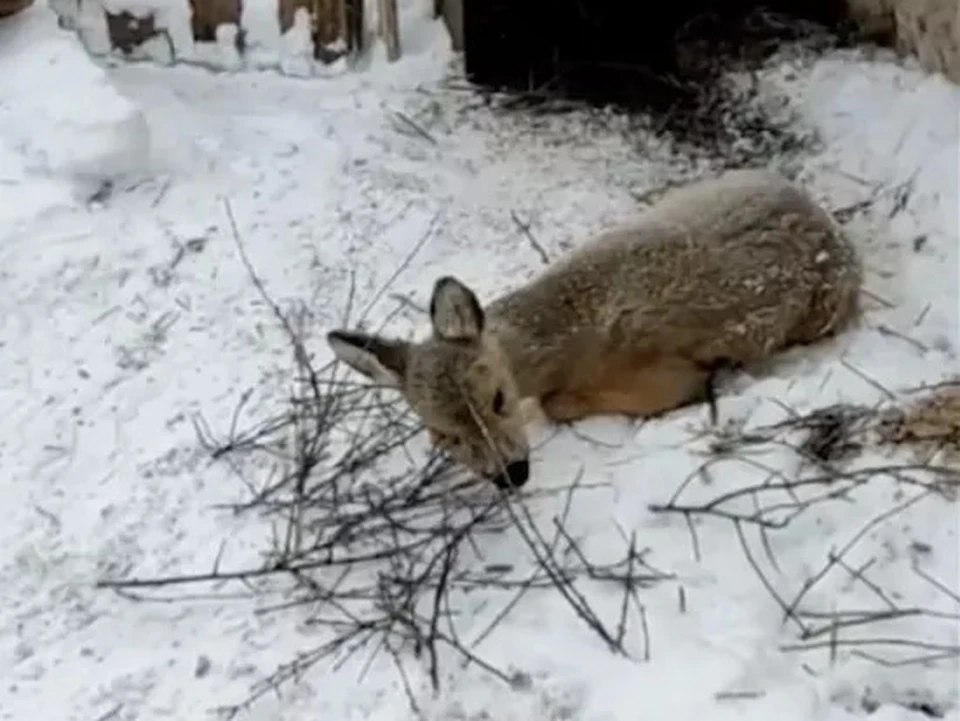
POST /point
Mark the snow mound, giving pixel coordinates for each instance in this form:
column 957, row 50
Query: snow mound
column 62, row 123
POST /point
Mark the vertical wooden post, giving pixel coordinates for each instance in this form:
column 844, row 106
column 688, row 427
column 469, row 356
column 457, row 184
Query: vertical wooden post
column 452, row 13
column 354, row 15
column 389, row 29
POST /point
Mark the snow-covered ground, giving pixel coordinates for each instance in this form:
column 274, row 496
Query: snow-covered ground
column 126, row 311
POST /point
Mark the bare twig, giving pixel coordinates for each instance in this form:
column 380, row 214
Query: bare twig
column 837, row 556
column 534, row 243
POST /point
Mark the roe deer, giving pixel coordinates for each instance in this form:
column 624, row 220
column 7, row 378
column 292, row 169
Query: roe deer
column 635, row 321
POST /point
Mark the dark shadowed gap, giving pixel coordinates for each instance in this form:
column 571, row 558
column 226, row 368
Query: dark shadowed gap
column 663, row 58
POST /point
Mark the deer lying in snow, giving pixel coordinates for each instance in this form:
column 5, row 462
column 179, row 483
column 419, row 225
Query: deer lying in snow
column 721, row 272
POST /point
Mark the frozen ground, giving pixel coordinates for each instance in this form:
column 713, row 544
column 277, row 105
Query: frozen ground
column 126, row 310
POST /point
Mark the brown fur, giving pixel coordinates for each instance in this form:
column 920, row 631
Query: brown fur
column 638, row 390
column 722, row 271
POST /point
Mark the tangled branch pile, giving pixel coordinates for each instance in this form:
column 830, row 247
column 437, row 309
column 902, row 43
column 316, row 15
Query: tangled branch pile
column 828, row 446
column 382, row 549
column 382, row 541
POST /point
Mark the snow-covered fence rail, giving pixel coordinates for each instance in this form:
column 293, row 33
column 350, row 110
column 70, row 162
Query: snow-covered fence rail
column 296, row 37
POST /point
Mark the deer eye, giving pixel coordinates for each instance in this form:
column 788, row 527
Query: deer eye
column 498, row 402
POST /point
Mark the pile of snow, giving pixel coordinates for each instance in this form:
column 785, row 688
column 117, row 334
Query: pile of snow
column 64, row 128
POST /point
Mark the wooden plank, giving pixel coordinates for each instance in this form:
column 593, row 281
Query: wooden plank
column 452, row 13
column 207, row 15
column 389, row 29
column 355, row 27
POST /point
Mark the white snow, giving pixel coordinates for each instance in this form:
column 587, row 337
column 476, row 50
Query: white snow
column 123, row 318
column 297, row 58
column 61, row 118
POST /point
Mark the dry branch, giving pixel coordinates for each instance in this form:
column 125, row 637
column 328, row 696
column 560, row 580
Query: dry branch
column 825, row 443
column 378, row 541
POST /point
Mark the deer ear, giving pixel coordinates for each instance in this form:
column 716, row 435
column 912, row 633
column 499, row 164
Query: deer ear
column 455, row 311
column 384, row 361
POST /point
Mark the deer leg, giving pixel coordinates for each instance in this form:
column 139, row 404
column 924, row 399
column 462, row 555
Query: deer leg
column 646, row 391
column 712, row 370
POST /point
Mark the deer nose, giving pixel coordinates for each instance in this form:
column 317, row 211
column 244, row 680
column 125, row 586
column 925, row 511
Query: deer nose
column 514, row 475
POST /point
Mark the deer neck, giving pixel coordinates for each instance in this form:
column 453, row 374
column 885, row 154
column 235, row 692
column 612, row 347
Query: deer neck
column 533, row 342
